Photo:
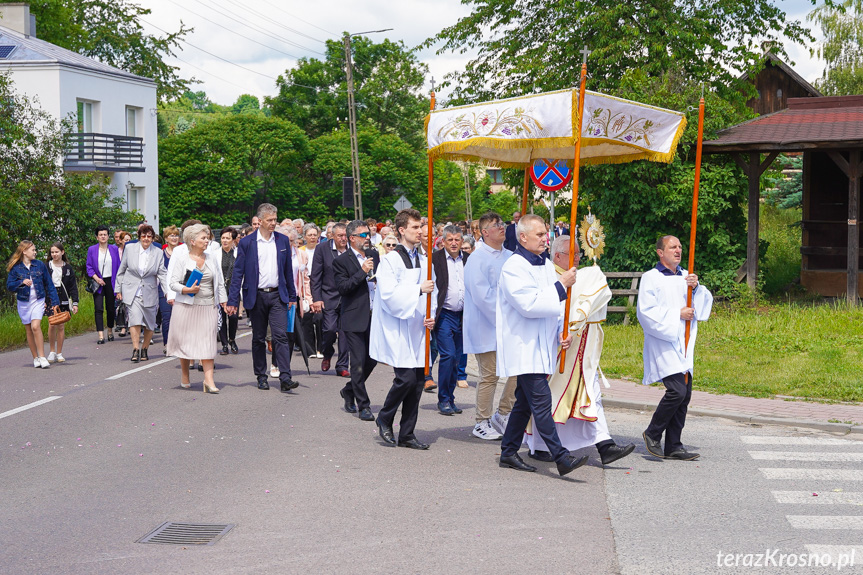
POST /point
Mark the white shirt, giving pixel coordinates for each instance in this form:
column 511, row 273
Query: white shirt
column 295, row 267
column 361, row 258
column 481, row 276
column 454, row 300
column 105, row 263
column 268, row 265
column 311, row 258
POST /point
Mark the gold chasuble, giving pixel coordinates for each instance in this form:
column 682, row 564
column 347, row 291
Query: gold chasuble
column 573, row 393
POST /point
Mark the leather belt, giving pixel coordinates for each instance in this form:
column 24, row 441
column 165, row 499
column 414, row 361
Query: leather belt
column 268, row 290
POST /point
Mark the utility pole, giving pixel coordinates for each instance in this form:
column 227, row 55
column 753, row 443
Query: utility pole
column 352, row 123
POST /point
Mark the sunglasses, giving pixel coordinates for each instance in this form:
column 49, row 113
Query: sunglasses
column 390, row 245
column 363, row 235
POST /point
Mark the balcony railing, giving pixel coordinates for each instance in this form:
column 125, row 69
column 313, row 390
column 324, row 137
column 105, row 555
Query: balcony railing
column 89, row 152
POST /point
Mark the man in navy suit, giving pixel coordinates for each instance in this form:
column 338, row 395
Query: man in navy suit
column 326, row 298
column 510, row 241
column 263, row 270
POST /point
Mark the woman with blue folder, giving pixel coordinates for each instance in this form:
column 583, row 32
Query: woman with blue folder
column 200, row 287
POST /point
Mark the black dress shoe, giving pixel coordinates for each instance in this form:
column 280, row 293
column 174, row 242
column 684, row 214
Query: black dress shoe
column 110, row 336
column 653, row 446
column 543, row 456
column 224, row 350
column 413, row 443
column 515, row 462
column 144, row 356
column 100, row 341
column 683, row 455
column 234, row 348
column 386, row 433
column 289, row 385
column 262, row 384
column 570, row 463
column 614, row 452
column 200, row 367
column 454, row 407
column 136, row 356
column 349, row 402
column 366, row 414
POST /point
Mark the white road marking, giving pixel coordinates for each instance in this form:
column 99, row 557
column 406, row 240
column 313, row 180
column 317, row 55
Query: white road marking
column 805, row 456
column 817, row 474
column 825, row 521
column 142, row 368
column 776, row 440
column 823, row 498
column 28, row 406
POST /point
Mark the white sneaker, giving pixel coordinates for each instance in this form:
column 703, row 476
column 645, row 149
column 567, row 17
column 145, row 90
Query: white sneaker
column 52, row 357
column 36, row 362
column 499, row 421
column 59, row 358
column 43, row 363
column 484, row 430
column 274, row 371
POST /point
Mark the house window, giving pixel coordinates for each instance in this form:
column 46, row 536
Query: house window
column 131, row 121
column 85, row 116
column 134, row 198
column 496, row 175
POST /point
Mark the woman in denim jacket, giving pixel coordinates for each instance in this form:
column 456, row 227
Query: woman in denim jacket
column 31, row 281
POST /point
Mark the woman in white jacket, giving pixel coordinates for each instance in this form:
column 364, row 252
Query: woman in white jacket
column 195, row 317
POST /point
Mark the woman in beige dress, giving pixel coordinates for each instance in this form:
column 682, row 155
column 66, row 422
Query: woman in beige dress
column 195, row 317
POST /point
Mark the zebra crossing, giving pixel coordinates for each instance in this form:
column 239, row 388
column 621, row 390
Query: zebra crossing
column 815, row 481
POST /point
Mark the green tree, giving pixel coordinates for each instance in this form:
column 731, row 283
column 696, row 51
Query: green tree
column 219, row 172
column 38, row 200
column 247, row 104
column 527, row 45
column 450, row 203
column 111, row 31
column 187, row 111
column 842, row 48
column 388, row 167
column 388, row 79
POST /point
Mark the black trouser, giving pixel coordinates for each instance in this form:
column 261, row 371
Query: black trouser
column 362, row 366
column 270, row 310
column 313, row 330
column 532, row 397
column 228, row 329
column 331, row 330
column 406, row 392
column 99, row 301
column 670, row 414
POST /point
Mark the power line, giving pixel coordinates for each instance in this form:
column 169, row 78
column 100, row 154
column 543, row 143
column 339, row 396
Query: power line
column 210, row 53
column 252, row 26
column 233, row 31
column 209, row 73
column 280, row 25
column 298, row 18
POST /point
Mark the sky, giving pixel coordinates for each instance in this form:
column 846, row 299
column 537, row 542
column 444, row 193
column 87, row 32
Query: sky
column 241, row 46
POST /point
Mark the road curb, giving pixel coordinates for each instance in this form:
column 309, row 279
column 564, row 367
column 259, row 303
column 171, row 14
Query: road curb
column 741, row 417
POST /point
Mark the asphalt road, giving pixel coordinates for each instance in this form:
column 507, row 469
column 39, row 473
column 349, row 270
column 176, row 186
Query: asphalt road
column 311, row 489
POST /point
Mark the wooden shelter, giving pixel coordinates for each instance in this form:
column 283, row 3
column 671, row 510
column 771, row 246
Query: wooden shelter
column 776, row 83
column 829, row 132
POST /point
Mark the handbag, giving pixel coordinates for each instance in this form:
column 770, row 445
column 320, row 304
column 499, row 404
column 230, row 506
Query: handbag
column 93, row 285
column 58, row 317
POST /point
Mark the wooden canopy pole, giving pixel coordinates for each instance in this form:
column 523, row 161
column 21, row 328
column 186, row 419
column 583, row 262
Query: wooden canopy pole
column 853, row 168
column 574, row 209
column 429, row 248
column 693, row 225
column 524, row 190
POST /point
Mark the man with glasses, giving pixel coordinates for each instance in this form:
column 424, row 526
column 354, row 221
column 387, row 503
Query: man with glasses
column 354, row 273
column 326, row 298
column 480, row 300
column 576, row 396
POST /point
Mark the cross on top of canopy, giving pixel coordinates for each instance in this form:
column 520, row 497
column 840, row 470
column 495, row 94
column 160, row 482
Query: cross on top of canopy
column 512, row 133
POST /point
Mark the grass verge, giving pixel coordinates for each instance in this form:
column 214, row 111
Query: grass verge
column 789, row 349
column 12, row 332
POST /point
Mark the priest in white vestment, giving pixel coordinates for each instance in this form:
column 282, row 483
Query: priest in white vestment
column 663, row 314
column 529, row 320
column 575, row 394
column 398, row 329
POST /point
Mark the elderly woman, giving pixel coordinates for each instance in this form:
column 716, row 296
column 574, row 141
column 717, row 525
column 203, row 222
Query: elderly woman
column 141, row 271
column 195, row 317
column 468, row 244
column 389, row 244
column 312, row 321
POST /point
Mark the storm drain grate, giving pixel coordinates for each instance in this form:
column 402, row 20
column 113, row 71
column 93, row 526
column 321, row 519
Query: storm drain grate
column 171, row 533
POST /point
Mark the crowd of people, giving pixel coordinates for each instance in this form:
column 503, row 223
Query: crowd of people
column 358, row 291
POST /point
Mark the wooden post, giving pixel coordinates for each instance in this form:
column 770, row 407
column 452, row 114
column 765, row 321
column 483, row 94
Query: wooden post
column 525, row 190
column 753, row 169
column 852, row 169
column 694, row 224
column 429, row 248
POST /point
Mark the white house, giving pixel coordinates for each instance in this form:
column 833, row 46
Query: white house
column 115, row 110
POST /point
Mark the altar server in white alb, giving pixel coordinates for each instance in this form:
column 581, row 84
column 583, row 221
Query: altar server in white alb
column 398, row 331
column 663, row 313
column 576, row 398
column 481, row 274
column 529, row 325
